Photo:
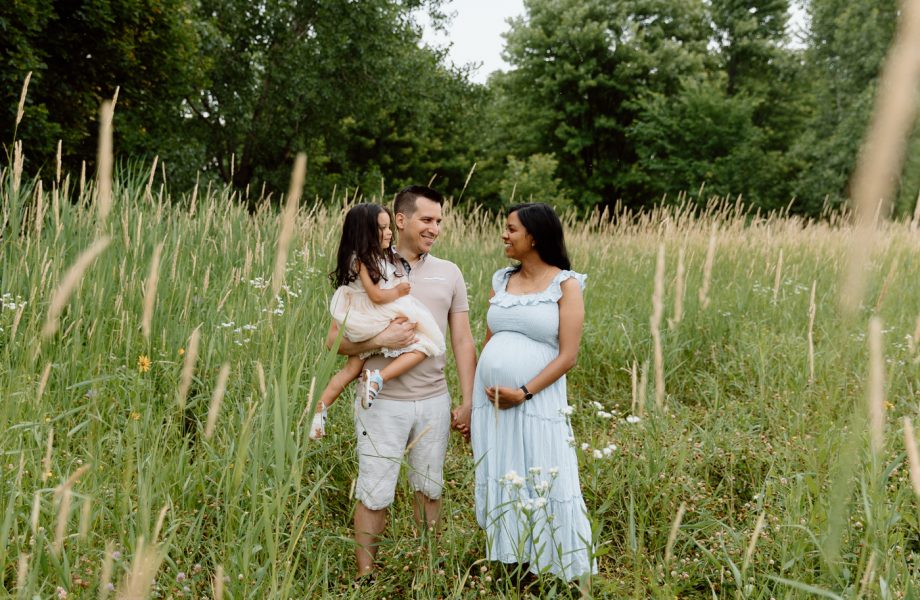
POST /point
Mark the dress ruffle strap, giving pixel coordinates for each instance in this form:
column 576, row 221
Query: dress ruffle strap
column 552, row 293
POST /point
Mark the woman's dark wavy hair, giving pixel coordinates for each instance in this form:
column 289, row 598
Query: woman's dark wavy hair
column 361, row 241
column 541, row 222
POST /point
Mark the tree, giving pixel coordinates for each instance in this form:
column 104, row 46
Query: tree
column 848, row 41
column 79, row 52
column 345, row 81
column 580, row 67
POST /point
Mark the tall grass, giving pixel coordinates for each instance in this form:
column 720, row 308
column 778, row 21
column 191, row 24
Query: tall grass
column 153, row 438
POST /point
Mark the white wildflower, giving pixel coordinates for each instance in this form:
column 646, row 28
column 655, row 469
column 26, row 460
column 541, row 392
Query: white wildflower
column 597, row 405
column 633, row 419
column 598, row 454
column 566, row 411
column 542, row 487
column 585, row 446
column 553, row 471
column 539, row 503
column 535, row 470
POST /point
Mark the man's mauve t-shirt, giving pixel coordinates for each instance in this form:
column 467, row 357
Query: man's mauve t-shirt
column 439, row 285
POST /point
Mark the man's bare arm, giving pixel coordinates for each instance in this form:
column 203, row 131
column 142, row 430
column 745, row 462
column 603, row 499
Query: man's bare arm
column 398, row 334
column 461, row 340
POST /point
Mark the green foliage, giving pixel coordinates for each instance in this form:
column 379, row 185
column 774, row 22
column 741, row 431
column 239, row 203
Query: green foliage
column 79, row 53
column 533, row 180
column 746, row 431
column 848, row 41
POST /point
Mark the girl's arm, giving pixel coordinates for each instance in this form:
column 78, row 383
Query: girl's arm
column 571, row 321
column 376, row 293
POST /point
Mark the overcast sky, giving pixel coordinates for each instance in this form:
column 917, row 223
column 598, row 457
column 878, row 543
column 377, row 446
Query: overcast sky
column 477, row 25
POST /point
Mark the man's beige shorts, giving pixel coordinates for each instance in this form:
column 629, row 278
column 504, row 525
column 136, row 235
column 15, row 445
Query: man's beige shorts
column 385, row 431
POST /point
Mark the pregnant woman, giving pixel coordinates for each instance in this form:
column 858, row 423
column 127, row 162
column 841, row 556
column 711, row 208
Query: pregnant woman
column 528, row 497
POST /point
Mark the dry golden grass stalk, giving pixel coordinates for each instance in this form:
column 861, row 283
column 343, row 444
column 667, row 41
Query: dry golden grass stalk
column 68, row 284
column 105, row 577
column 876, row 392
column 643, row 386
column 39, row 211
column 139, row 579
column 812, row 310
column 218, row 582
column 104, row 163
column 57, row 168
column 188, row 368
column 216, row 400
column 707, row 269
column 672, row 536
column 159, row 526
column 60, row 527
column 150, row 291
column 758, row 527
column 309, row 406
column 43, row 382
column 913, row 457
column 46, row 461
column 867, row 577
column 260, row 375
column 679, row 284
column 886, row 283
column 634, row 380
column 72, row 479
column 36, row 512
column 287, row 220
column 148, row 194
column 20, row 110
column 882, row 152
column 778, row 279
column 17, row 166
column 22, row 573
column 86, row 513
column 655, row 323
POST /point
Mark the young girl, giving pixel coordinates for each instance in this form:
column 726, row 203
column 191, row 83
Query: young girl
column 370, row 292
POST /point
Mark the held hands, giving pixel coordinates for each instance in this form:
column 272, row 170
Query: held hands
column 403, row 289
column 460, row 420
column 505, row 397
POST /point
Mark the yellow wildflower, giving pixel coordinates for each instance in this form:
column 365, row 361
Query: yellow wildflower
column 181, row 351
column 143, row 363
column 135, row 416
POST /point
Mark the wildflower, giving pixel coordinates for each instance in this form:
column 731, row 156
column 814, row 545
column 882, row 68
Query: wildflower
column 542, row 487
column 598, row 454
column 180, row 577
column 633, row 419
column 135, row 416
column 608, row 451
column 91, row 393
column 535, row 470
column 604, row 414
column 181, row 351
column 585, row 446
column 143, row 363
column 539, row 503
column 228, row 324
column 110, row 587
column 511, row 477
column 570, row 441
column 553, row 471
column 116, row 555
column 61, row 592
column 566, row 411
column 597, row 405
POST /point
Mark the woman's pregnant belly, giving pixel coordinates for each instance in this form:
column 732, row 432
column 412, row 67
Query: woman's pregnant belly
column 512, row 359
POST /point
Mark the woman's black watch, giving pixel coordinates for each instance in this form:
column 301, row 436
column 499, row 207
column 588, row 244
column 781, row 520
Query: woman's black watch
column 527, row 394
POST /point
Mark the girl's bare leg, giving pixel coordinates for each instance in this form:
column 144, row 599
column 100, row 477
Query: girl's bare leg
column 340, row 381
column 401, row 364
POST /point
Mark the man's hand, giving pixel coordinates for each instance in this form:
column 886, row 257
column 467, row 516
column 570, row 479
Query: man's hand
column 403, row 289
column 460, row 420
column 505, row 397
column 398, row 334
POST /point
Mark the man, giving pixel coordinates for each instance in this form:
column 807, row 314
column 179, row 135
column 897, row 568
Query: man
column 412, row 412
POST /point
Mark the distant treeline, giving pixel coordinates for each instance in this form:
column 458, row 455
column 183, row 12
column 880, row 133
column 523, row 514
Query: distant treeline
column 630, row 100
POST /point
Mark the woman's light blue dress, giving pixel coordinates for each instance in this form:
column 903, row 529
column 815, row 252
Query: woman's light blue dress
column 528, row 497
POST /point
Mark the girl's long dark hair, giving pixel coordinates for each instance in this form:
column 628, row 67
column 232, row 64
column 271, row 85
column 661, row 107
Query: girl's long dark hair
column 541, row 222
column 360, row 241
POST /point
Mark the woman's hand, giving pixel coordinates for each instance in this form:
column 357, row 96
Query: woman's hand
column 403, row 289
column 505, row 397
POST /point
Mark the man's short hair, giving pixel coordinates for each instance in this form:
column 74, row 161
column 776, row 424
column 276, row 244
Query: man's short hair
column 405, row 199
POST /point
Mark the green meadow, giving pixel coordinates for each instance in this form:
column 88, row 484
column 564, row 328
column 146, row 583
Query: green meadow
column 155, row 392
